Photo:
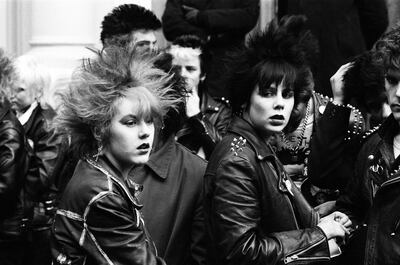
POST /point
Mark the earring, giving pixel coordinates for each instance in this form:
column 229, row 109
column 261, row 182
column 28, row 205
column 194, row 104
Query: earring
column 99, row 149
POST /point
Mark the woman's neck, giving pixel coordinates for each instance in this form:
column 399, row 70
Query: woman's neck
column 122, row 168
column 264, row 135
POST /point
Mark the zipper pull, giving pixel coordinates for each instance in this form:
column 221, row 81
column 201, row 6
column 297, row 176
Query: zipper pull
column 288, row 185
column 290, row 259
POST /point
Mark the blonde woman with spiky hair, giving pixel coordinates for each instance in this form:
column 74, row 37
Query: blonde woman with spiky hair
column 110, row 112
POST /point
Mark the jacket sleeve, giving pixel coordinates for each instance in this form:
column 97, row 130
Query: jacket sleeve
column 46, row 149
column 235, row 217
column 373, row 19
column 240, row 19
column 331, row 160
column 198, row 240
column 355, row 200
column 174, row 23
column 13, row 166
column 118, row 231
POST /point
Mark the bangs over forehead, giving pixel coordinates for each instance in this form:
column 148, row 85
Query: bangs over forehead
column 270, row 72
column 147, row 105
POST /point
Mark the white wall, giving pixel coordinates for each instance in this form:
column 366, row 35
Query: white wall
column 55, row 32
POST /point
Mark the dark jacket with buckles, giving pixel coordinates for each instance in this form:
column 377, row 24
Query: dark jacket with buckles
column 14, row 163
column 98, row 220
column 372, row 198
column 46, row 145
column 254, row 213
column 207, row 128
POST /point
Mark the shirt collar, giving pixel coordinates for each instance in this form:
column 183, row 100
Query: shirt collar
column 161, row 159
column 23, row 119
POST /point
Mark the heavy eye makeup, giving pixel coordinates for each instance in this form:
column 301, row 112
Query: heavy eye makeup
column 129, row 120
column 287, row 93
column 392, row 80
column 267, row 91
column 393, row 77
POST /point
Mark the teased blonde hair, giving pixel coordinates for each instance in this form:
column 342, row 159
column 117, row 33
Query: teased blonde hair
column 88, row 105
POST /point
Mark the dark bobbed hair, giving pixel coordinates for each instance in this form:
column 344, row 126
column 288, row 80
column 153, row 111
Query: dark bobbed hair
column 388, row 49
column 279, row 54
column 364, row 82
column 89, row 103
column 194, row 42
column 127, row 18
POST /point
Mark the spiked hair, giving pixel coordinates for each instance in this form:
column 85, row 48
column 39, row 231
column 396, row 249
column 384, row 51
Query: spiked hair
column 127, row 18
column 282, row 53
column 388, row 49
column 6, row 70
column 364, row 82
column 89, row 104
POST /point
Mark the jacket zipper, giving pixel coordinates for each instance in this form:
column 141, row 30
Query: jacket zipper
column 386, row 183
column 295, row 256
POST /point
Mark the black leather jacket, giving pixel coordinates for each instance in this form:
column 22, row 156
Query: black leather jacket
column 372, row 198
column 98, row 220
column 14, row 163
column 254, row 213
column 46, row 144
column 208, row 127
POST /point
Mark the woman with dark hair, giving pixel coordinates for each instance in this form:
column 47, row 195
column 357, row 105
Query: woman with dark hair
column 109, row 112
column 254, row 212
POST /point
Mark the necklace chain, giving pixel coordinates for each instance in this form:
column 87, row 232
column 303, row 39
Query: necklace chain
column 296, row 147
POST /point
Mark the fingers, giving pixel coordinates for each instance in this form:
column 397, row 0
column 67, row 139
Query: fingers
column 187, row 8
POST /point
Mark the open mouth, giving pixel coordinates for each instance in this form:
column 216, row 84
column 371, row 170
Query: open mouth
column 277, row 117
column 144, row 146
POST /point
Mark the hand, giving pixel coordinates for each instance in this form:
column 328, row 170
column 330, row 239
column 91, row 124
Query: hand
column 333, row 225
column 337, row 83
column 342, row 219
column 192, row 104
column 190, row 14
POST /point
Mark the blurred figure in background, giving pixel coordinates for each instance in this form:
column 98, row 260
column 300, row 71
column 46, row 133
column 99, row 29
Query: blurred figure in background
column 132, row 26
column 207, row 118
column 222, row 24
column 344, row 29
column 36, row 117
column 14, row 163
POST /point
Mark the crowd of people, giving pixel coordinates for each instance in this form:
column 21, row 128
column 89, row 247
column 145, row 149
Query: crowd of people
column 215, row 150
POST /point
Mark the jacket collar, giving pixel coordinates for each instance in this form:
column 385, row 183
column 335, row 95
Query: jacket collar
column 106, row 167
column 23, row 119
column 161, row 159
column 243, row 128
column 388, row 129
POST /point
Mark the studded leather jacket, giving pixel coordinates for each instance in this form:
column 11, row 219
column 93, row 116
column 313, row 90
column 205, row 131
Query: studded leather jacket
column 14, row 163
column 98, row 220
column 372, row 198
column 207, row 128
column 254, row 213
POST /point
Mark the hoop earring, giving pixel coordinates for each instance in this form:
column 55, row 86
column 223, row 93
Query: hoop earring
column 99, row 149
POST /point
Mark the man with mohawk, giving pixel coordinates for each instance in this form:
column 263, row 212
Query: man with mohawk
column 131, row 26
